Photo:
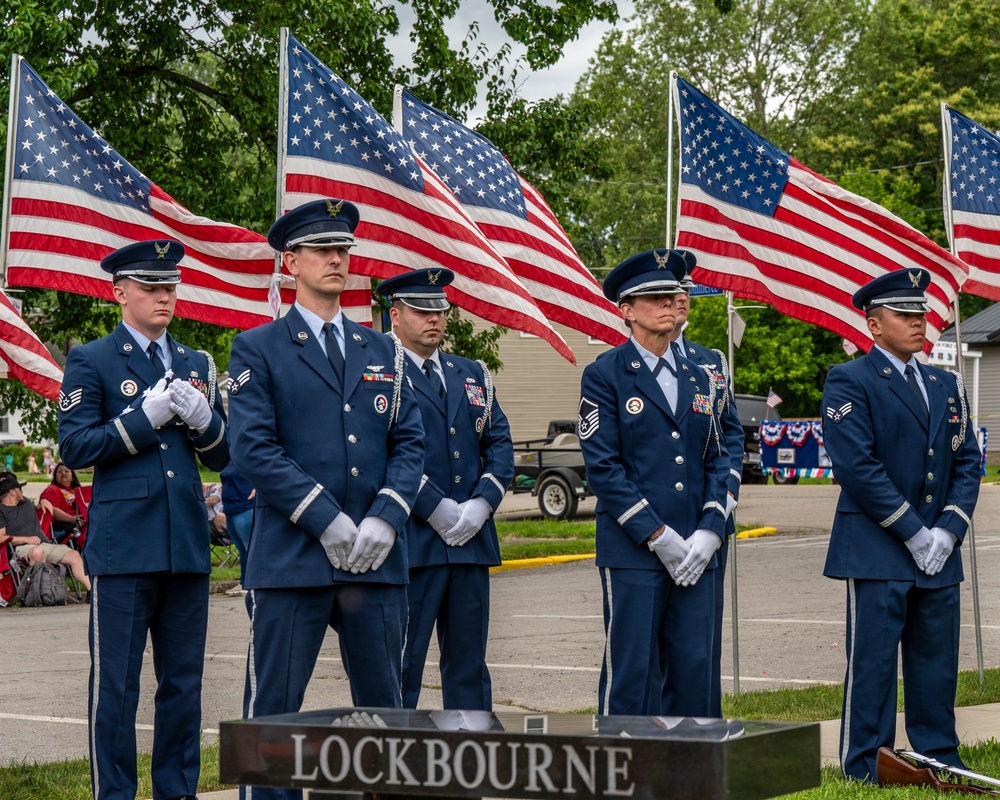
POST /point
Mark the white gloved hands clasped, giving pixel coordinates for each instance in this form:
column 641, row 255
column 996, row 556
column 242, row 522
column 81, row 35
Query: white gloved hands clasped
column 375, row 539
column 919, row 546
column 157, row 404
column 190, row 405
column 475, row 512
column 943, row 543
column 445, row 516
column 338, row 539
column 703, row 544
column 671, row 549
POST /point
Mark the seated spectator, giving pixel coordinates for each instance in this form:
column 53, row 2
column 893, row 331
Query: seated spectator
column 19, row 526
column 59, row 498
column 213, row 502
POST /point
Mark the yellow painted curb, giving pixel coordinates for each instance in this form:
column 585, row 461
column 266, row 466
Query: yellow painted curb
column 526, row 563
column 755, row 533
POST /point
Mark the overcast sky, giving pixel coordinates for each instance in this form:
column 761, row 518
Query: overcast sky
column 558, row 79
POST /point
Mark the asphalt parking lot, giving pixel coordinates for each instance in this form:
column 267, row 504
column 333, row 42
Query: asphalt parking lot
column 546, row 633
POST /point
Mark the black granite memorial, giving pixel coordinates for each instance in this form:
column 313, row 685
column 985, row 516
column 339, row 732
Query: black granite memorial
column 400, row 752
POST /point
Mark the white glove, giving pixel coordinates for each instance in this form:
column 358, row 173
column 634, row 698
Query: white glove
column 157, row 404
column 730, row 505
column 941, row 547
column 475, row 512
column 359, row 719
column 703, row 544
column 919, row 546
column 671, row 549
column 191, row 406
column 375, row 539
column 338, row 539
column 445, row 516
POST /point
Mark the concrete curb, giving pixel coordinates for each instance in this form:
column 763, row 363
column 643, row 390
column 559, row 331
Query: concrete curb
column 756, row 533
column 527, row 563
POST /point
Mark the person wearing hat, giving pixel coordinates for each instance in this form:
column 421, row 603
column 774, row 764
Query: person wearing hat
column 328, row 431
column 142, row 410
column 733, row 432
column 19, row 527
column 656, row 460
column 906, row 457
column 468, row 464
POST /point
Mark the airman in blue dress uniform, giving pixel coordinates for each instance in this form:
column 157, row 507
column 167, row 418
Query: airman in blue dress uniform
column 468, row 464
column 656, row 459
column 907, row 461
column 328, row 431
column 732, row 430
column 142, row 419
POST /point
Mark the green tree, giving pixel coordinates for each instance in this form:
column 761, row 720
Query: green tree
column 187, row 92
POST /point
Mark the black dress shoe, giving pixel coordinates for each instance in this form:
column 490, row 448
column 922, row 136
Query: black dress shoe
column 185, row 797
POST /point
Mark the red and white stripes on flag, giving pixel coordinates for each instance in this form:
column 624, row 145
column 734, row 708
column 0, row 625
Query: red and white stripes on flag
column 25, row 356
column 513, row 215
column 334, row 144
column 767, row 228
column 972, row 199
column 74, row 199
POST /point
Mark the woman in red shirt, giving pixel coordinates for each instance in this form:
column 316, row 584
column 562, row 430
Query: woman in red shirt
column 60, row 497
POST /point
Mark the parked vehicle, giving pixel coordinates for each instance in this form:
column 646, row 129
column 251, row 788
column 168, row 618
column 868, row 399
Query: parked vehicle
column 753, row 409
column 552, row 470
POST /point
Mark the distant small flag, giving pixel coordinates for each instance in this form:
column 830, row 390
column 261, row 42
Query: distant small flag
column 772, row 399
column 849, row 347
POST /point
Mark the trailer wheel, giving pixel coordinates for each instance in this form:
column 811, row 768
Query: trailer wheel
column 556, row 499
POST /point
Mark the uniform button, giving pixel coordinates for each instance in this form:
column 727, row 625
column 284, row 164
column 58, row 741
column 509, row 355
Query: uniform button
column 930, row 476
column 456, row 454
column 675, row 435
column 451, row 431
column 458, row 479
column 170, row 473
column 930, row 452
column 347, row 406
column 163, row 445
column 679, row 460
column 679, row 486
column 929, row 499
column 352, row 438
column 354, row 471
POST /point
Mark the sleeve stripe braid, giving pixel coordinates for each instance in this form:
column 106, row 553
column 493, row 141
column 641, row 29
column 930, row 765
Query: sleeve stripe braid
column 960, row 513
column 125, row 437
column 219, row 438
column 899, row 512
column 423, row 482
column 713, row 504
column 736, row 474
column 633, row 511
column 387, row 491
column 495, row 481
column 306, row 502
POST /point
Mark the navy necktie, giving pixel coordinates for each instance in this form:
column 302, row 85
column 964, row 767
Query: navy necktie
column 661, row 364
column 676, row 347
column 430, row 370
column 153, row 351
column 911, row 379
column 333, row 354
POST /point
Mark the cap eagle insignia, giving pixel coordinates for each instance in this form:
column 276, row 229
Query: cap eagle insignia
column 332, row 209
column 432, row 277
column 914, row 279
column 161, row 252
column 661, row 261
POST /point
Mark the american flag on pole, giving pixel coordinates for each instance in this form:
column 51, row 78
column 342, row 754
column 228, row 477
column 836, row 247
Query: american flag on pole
column 513, row 215
column 74, row 199
column 338, row 145
column 772, row 399
column 972, row 195
column 24, row 356
column 768, row 228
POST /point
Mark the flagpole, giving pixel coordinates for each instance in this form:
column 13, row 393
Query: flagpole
column 279, row 190
column 670, row 157
column 8, row 173
column 950, row 228
column 733, row 580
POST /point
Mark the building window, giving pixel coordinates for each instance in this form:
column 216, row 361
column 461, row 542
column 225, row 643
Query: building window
column 539, row 724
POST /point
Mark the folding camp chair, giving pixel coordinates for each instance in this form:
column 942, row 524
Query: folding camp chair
column 223, row 547
column 45, row 523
